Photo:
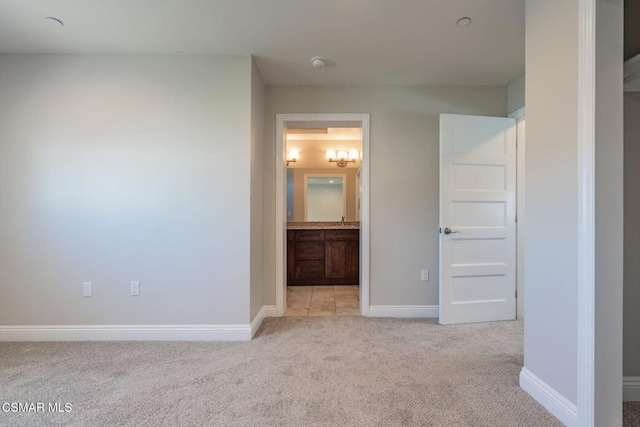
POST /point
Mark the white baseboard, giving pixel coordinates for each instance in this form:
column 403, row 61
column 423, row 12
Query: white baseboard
column 431, row 311
column 270, row 311
column 136, row 332
column 265, row 311
column 631, row 389
column 126, row 333
column 553, row 401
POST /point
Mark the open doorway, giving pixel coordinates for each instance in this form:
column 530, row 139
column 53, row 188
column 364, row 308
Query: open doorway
column 322, row 224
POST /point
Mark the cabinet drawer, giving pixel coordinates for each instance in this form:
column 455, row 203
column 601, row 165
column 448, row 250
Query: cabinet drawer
column 309, row 270
column 342, row 234
column 310, row 235
column 309, row 251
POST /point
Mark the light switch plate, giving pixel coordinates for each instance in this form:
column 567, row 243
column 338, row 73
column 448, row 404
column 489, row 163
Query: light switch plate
column 87, row 289
column 135, row 288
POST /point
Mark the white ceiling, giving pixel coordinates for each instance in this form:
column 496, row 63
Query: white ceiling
column 367, row 42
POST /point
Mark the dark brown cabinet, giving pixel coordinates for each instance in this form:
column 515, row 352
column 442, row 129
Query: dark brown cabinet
column 323, row 257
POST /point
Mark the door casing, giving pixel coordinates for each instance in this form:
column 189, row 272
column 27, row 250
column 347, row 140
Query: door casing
column 281, row 202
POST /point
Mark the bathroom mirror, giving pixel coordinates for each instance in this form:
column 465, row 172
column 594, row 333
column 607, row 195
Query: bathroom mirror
column 324, row 197
column 298, row 192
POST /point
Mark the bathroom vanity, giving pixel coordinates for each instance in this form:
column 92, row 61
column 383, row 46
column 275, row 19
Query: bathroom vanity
column 323, row 253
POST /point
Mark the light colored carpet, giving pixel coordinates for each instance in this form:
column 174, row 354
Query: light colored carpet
column 631, row 414
column 331, row 371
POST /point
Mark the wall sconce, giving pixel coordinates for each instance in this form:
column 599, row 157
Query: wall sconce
column 343, row 157
column 292, row 156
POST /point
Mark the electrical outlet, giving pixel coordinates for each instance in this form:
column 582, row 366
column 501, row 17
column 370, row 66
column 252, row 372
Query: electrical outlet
column 135, row 288
column 87, row 289
column 424, row 275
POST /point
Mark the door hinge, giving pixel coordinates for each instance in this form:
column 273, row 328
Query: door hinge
column 440, row 230
column 516, row 293
column 516, row 218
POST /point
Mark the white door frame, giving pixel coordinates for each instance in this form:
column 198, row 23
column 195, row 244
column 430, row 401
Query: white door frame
column 520, row 116
column 586, row 363
column 281, row 202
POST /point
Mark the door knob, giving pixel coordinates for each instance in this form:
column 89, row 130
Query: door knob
column 447, row 230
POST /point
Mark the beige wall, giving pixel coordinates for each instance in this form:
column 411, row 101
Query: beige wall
column 298, row 190
column 551, row 191
column 404, row 175
column 631, row 234
column 609, row 211
column 116, row 168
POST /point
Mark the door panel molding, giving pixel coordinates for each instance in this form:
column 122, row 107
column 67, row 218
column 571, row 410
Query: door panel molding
column 477, row 202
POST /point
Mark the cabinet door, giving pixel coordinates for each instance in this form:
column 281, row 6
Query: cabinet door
column 291, row 255
column 352, row 260
column 335, row 257
column 342, row 260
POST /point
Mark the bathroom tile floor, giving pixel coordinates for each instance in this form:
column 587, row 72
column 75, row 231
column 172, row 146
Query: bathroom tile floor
column 323, row 300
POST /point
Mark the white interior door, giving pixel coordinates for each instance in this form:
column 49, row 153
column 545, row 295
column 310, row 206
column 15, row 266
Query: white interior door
column 477, row 219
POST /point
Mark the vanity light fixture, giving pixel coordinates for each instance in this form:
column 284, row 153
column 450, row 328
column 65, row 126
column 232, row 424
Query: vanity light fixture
column 293, row 156
column 343, row 157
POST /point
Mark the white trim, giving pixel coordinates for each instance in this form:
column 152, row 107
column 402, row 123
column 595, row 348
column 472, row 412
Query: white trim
column 518, row 114
column 265, row 311
column 553, row 401
column 364, row 216
column 586, row 213
column 406, row 311
column 125, row 333
column 257, row 321
column 520, row 213
column 631, row 389
column 281, row 201
column 281, row 217
column 270, row 311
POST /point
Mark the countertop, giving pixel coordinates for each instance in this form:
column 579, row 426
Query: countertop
column 324, row 225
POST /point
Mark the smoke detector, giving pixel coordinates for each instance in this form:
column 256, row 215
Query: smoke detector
column 463, row 22
column 318, row 62
column 55, row 21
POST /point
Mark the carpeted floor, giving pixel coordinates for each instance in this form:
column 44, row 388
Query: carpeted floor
column 631, row 414
column 331, row 371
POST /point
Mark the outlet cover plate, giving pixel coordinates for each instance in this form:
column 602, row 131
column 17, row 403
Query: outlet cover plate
column 424, row 275
column 135, row 288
